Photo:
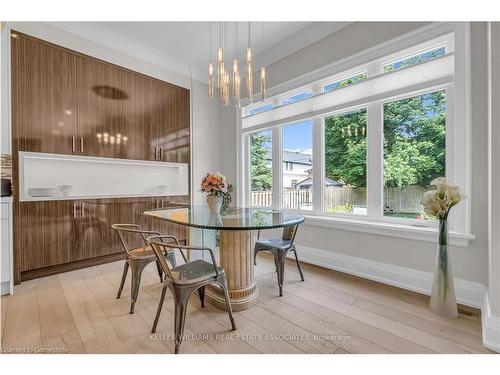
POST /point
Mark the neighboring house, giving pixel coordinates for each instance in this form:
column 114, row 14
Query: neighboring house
column 307, row 183
column 296, row 166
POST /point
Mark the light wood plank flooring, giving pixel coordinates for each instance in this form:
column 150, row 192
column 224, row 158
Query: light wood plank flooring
column 331, row 312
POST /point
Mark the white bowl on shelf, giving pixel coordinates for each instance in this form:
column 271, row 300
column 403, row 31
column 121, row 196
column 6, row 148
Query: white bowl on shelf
column 42, row 192
column 66, row 189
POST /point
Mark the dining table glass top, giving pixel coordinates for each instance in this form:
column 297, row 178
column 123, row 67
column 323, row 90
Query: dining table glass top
column 243, row 218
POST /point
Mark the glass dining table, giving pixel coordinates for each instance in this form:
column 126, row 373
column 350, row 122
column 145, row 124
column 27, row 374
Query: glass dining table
column 231, row 235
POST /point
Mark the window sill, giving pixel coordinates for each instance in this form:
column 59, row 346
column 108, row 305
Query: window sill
column 410, row 232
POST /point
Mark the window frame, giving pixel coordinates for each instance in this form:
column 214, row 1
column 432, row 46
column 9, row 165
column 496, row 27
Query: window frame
column 456, row 36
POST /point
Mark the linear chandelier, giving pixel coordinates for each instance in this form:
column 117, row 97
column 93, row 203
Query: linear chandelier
column 227, row 87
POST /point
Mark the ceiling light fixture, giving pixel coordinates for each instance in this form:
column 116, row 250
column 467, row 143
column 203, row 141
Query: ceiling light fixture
column 223, row 79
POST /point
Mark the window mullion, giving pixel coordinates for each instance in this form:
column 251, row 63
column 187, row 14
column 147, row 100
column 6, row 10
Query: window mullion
column 277, row 163
column 246, row 182
column 374, row 161
column 318, row 166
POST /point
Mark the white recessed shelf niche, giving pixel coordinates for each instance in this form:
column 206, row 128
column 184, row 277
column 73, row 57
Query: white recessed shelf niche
column 44, row 177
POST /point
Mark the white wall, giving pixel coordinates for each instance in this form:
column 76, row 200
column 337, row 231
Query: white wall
column 494, row 174
column 469, row 263
column 205, row 112
column 205, row 138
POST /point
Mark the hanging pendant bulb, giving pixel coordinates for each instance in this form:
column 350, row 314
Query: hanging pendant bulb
column 225, row 89
column 262, row 83
column 237, row 98
column 236, row 70
column 220, row 63
column 211, row 82
column 249, row 75
column 236, row 84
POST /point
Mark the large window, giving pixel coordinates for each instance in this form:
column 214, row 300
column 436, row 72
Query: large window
column 297, row 170
column 412, row 60
column 345, row 163
column 260, row 109
column 297, row 97
column 344, row 82
column 261, row 175
column 414, row 152
column 378, row 139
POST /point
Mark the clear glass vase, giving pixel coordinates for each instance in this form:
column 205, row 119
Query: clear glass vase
column 443, row 301
column 214, row 203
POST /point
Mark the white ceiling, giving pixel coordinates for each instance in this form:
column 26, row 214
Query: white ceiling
column 179, row 46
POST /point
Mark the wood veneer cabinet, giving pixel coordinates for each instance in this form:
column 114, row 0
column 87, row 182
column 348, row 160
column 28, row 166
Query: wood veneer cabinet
column 68, row 103
column 43, row 97
column 65, row 102
column 44, row 234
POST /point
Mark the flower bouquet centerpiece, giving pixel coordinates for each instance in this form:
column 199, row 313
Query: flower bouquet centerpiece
column 438, row 203
column 218, row 191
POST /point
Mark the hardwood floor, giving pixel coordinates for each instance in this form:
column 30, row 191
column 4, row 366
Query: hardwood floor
column 331, row 312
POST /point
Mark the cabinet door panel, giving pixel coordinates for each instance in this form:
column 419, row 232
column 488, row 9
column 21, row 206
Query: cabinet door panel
column 173, row 133
column 118, row 111
column 101, row 101
column 43, row 97
column 95, row 235
column 44, row 233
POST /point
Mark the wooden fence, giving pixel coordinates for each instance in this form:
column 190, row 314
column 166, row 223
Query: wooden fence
column 403, row 200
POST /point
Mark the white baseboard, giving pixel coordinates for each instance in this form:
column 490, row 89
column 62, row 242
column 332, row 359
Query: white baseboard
column 490, row 325
column 4, row 288
column 468, row 293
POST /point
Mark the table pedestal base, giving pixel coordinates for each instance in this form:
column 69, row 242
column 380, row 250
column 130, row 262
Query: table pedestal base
column 236, row 257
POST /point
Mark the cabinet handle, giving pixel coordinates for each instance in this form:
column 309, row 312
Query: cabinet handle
column 82, row 206
column 156, row 153
column 74, row 143
column 74, row 210
column 161, row 153
column 81, row 144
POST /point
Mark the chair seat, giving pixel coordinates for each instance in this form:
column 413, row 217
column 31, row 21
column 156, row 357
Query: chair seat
column 277, row 244
column 193, row 272
column 144, row 252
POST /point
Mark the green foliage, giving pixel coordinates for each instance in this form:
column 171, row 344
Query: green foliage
column 414, row 60
column 345, row 148
column 346, row 82
column 342, row 209
column 414, row 142
column 261, row 173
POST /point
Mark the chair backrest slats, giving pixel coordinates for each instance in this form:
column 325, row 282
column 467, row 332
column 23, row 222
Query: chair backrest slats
column 121, row 229
column 159, row 250
column 289, row 233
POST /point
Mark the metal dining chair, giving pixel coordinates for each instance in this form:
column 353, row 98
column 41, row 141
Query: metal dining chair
column 280, row 248
column 185, row 279
column 137, row 258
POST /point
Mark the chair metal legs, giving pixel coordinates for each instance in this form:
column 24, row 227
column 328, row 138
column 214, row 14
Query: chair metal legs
column 298, row 264
column 137, row 267
column 181, row 299
column 279, row 257
column 201, row 293
column 160, row 305
column 279, row 260
column 228, row 304
column 124, row 277
column 160, row 272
